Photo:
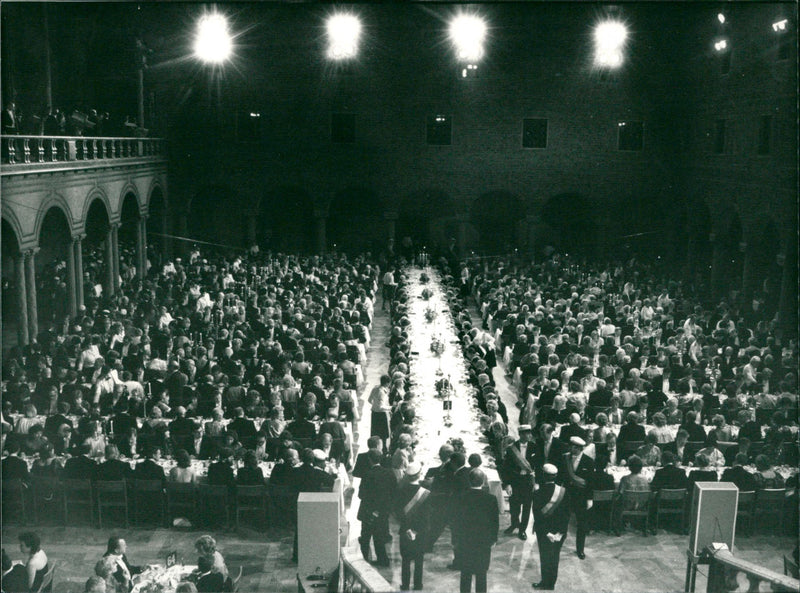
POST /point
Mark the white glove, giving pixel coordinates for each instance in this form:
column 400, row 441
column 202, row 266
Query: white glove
column 589, row 504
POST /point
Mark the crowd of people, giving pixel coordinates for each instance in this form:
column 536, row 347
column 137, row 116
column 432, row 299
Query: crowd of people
column 66, row 122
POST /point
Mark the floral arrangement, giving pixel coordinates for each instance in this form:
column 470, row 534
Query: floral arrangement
column 424, row 278
column 430, row 314
column 437, row 345
column 444, row 389
column 458, row 445
column 427, row 294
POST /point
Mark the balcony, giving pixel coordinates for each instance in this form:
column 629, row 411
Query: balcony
column 34, row 154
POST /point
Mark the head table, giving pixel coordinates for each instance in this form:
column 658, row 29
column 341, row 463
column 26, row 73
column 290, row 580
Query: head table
column 434, row 425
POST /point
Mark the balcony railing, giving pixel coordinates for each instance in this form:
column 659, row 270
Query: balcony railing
column 32, row 150
column 725, row 567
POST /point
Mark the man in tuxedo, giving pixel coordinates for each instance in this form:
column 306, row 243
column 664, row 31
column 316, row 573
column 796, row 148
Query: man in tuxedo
column 220, row 472
column 80, row 467
column 577, row 477
column 301, row 427
column 113, row 469
column 518, row 475
column 744, row 480
column 683, row 454
column 376, row 493
column 208, row 581
column 630, row 432
column 180, row 429
column 743, row 447
column 573, row 429
column 13, row 467
column 548, row 449
column 201, row 446
column 601, row 396
column 62, row 440
column 244, row 427
column 550, row 521
column 413, row 512
column 669, row 476
column 53, row 423
column 125, row 570
column 439, row 481
column 477, row 522
column 362, row 460
column 148, row 469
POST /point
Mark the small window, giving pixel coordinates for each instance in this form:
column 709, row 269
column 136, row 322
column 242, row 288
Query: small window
column 631, row 135
column 534, row 133
column 764, row 134
column 440, row 128
column 725, row 62
column 343, row 128
column 248, row 126
column 719, row 136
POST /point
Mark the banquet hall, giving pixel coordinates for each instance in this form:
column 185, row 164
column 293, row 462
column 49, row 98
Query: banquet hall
column 372, row 297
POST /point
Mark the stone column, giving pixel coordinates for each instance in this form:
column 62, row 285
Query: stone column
column 22, row 300
column 76, row 246
column 320, row 219
column 749, row 275
column 115, row 259
column 141, row 248
column 391, row 226
column 788, row 302
column 718, row 267
column 30, row 288
column 108, row 288
column 461, row 239
column 71, row 281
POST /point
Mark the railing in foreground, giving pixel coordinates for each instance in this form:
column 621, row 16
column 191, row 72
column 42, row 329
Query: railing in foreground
column 23, row 150
column 725, row 567
column 358, row 575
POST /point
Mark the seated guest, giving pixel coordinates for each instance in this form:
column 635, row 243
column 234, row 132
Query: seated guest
column 599, row 433
column 766, row 476
column 695, row 431
column 207, row 580
column 104, row 569
column 13, row 467
column 703, row 473
column 748, row 427
column 125, row 570
column 742, row 447
column 182, row 473
column 714, row 455
column 63, row 440
column 649, row 453
column 573, row 429
column 301, row 427
column 362, row 464
column 15, row 577
column 660, row 428
column 744, row 480
column 186, row 587
column 34, row 440
column 220, row 472
column 128, row 443
column 94, row 584
column 201, row 446
column 722, row 431
column 206, row 546
column 250, row 474
column 631, row 431
column 283, row 472
column 669, row 476
column 244, row 427
column 36, row 564
column 112, row 469
column 261, row 449
column 149, row 469
column 678, row 448
column 601, row 479
column 230, row 440
column 215, row 426
column 333, row 451
column 633, row 482
column 80, row 467
column 608, row 451
column 615, row 413
column 671, row 412
column 47, row 465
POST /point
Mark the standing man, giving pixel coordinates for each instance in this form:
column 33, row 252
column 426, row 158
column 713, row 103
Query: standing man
column 517, row 478
column 578, row 470
column 413, row 514
column 550, row 521
column 389, row 286
column 376, row 493
column 477, row 524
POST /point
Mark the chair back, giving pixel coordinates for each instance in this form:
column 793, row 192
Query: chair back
column 634, row 502
column 603, row 495
column 109, row 487
column 238, row 578
column 746, row 500
column 214, row 491
column 723, row 446
column 181, row 489
column 672, row 494
column 47, row 580
column 250, row 492
column 628, row 448
column 147, row 486
column 771, row 496
column 73, row 486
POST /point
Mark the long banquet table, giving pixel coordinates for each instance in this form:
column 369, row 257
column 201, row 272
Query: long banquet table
column 160, row 578
column 433, row 425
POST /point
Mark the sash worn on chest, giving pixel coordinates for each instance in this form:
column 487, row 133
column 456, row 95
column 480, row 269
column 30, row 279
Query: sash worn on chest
column 420, row 496
column 555, row 500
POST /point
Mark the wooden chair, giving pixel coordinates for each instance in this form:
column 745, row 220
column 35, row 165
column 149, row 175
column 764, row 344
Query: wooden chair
column 251, row 499
column 47, row 493
column 769, row 503
column 15, row 505
column 181, row 497
column 77, row 493
column 214, row 500
column 282, row 500
column 111, row 495
column 235, row 582
column 148, row 495
column 745, row 510
column 633, row 505
column 671, row 502
column 47, row 580
column 602, row 507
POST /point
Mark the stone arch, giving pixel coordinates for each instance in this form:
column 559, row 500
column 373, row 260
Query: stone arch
column 129, row 188
column 96, row 220
column 569, row 215
column 156, row 185
column 762, row 272
column 355, row 220
column 129, row 217
column 54, row 200
column 9, row 252
column 10, row 218
column 95, row 194
column 499, row 219
column 55, row 242
column 428, row 218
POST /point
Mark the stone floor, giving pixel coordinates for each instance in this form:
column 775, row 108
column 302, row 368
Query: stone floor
column 630, row 563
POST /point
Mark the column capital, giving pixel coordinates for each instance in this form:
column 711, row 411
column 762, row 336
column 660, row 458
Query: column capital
column 28, row 253
column 78, row 237
column 114, row 226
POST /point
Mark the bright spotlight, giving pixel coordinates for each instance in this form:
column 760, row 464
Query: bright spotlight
column 344, row 31
column 721, row 45
column 609, row 41
column 468, row 32
column 213, row 42
column 780, row 25
column 721, row 18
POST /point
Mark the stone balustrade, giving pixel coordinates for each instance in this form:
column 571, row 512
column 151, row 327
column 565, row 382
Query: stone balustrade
column 38, row 150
